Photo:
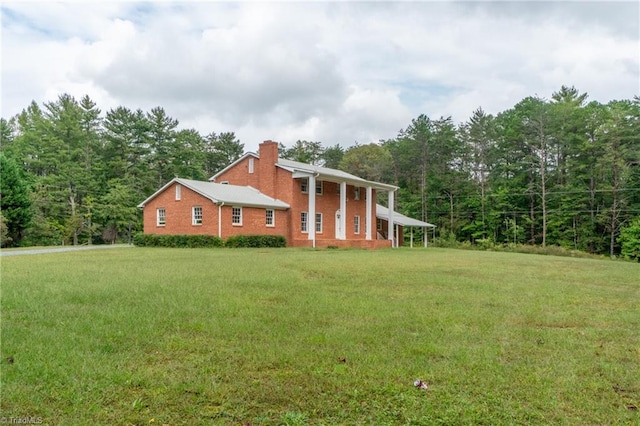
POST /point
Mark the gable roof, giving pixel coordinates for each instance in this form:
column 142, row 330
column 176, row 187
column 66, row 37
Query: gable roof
column 245, row 196
column 400, row 219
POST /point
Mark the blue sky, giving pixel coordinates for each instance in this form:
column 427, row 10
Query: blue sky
column 335, row 72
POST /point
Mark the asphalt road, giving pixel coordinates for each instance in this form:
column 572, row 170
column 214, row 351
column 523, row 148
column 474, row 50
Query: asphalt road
column 4, row 253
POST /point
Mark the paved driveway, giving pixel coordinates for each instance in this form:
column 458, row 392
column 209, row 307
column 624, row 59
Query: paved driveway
column 4, row 253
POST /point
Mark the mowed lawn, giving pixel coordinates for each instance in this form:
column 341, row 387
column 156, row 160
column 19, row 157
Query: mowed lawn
column 335, row 337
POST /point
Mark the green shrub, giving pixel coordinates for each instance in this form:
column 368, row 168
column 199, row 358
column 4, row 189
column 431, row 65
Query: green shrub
column 181, row 241
column 630, row 240
column 256, row 241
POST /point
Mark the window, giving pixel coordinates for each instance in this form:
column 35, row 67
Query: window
column 319, row 223
column 178, row 191
column 356, row 193
column 270, row 217
column 356, row 224
column 161, row 216
column 319, row 187
column 304, row 222
column 236, row 215
column 250, row 164
column 196, row 216
column 304, row 185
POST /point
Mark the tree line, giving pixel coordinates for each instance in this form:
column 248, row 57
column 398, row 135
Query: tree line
column 560, row 171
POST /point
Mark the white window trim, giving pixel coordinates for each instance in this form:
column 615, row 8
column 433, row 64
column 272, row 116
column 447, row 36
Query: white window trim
column 304, row 186
column 319, row 223
column 178, row 192
column 273, row 218
column 356, row 224
column 304, row 222
column 164, row 216
column 251, row 165
column 320, row 186
column 232, row 216
column 194, row 222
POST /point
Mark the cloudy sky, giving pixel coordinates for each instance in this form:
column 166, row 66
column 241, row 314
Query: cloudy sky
column 336, row 72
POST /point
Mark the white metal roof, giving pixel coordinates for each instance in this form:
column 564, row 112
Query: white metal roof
column 400, row 219
column 228, row 194
column 325, row 173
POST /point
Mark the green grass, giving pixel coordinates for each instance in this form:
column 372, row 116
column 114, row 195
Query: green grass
column 212, row 336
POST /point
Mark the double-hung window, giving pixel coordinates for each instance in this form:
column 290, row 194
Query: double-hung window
column 196, row 215
column 319, row 223
column 161, row 216
column 270, row 217
column 236, row 216
column 304, row 222
column 318, row 187
column 356, row 224
column 304, row 186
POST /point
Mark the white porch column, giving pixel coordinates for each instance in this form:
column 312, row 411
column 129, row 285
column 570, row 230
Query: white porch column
column 390, row 226
column 396, row 233
column 343, row 211
column 311, row 220
column 426, row 231
column 412, row 237
column 369, row 214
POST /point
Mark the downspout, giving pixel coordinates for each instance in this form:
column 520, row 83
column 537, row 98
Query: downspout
column 315, row 178
column 220, row 219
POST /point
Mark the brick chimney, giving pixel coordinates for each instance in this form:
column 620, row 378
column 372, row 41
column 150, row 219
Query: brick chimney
column 268, row 158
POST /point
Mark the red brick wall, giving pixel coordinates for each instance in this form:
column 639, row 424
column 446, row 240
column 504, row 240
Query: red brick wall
column 239, row 174
column 253, row 222
column 178, row 213
column 179, row 220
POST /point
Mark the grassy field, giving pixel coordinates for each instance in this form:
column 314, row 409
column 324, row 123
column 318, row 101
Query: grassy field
column 334, row 337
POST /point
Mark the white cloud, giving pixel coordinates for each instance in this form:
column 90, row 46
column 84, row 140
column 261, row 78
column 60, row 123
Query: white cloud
column 332, row 72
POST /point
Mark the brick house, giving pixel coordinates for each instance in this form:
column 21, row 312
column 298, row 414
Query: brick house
column 260, row 193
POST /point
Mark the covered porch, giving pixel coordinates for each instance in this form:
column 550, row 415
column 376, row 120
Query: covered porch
column 336, row 207
column 399, row 222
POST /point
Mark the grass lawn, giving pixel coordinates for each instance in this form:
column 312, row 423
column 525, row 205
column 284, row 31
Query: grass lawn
column 335, row 337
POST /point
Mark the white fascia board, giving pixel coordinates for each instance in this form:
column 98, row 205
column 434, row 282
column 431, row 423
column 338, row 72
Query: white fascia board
column 262, row 206
column 297, row 174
